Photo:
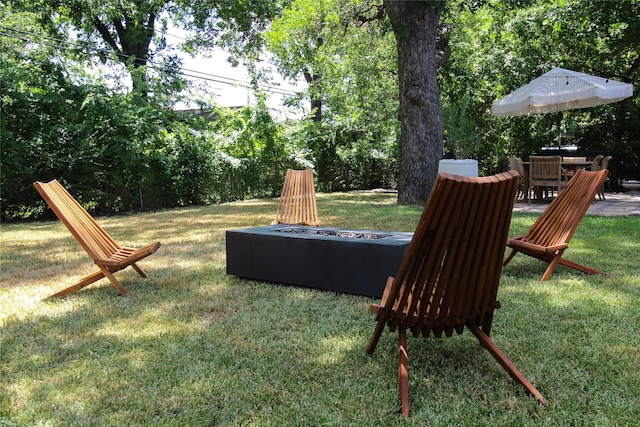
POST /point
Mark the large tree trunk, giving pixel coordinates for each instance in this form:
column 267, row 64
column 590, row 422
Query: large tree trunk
column 316, row 101
column 312, row 79
column 415, row 25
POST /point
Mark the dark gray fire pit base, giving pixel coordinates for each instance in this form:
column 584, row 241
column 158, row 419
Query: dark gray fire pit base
column 326, row 259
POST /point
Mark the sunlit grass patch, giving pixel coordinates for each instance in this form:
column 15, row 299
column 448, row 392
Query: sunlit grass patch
column 191, row 345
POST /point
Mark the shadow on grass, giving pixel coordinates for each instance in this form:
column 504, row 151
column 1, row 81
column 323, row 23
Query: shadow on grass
column 193, row 346
column 198, row 352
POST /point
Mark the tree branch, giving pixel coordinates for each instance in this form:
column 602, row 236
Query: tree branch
column 363, row 17
column 106, row 35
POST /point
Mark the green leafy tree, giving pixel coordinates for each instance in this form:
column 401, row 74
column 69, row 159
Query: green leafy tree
column 36, row 131
column 113, row 153
column 132, row 33
column 124, row 32
column 346, row 53
column 296, row 39
column 251, row 152
column 467, row 83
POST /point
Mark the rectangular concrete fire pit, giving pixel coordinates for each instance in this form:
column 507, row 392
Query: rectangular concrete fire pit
column 350, row 261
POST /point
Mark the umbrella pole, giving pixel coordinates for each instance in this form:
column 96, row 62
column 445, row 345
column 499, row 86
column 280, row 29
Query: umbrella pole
column 559, row 118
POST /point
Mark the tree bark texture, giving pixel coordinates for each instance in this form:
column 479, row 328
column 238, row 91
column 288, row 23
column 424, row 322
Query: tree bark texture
column 415, row 25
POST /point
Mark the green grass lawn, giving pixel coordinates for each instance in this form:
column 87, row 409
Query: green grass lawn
column 193, row 346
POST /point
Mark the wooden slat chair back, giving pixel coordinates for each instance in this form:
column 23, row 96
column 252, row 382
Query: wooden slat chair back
column 515, row 164
column 596, row 162
column 604, row 166
column 550, row 234
column 105, row 252
column 573, row 159
column 297, row 204
column 595, row 166
column 449, row 276
column 545, row 171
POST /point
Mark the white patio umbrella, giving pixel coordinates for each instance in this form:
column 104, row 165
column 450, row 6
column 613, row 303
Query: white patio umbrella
column 560, row 89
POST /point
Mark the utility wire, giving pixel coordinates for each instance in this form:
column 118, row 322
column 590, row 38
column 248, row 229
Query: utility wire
column 166, row 33
column 56, row 43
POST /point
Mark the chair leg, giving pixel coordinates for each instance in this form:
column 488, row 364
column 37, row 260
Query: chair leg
column 373, row 342
column 403, row 373
column 552, row 266
column 86, row 281
column 507, row 364
column 139, row 270
column 92, row 278
column 509, row 257
column 382, row 318
column 557, row 259
column 113, row 280
column 580, row 267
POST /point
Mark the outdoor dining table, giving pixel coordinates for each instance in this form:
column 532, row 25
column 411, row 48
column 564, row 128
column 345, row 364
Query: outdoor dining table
column 570, row 166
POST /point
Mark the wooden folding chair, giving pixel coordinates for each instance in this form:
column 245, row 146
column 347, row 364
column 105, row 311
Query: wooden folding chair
column 450, row 274
column 108, row 255
column 297, row 204
column 549, row 236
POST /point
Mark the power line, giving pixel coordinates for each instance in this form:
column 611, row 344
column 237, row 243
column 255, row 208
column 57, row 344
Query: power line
column 166, row 33
column 56, row 43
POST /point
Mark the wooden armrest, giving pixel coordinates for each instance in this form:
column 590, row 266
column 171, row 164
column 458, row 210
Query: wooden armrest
column 535, row 247
column 127, row 256
column 374, row 308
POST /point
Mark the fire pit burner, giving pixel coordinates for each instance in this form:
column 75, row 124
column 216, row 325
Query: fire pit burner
column 336, row 233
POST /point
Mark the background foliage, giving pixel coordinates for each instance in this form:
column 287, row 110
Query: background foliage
column 498, row 46
column 118, row 152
